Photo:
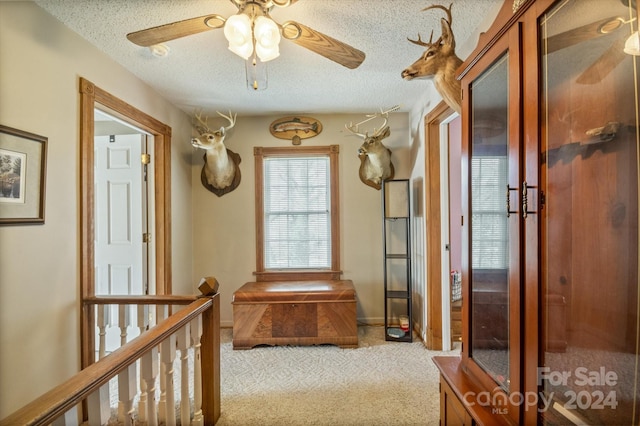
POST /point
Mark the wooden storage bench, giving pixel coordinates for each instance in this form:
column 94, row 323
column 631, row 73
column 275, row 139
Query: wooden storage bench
column 295, row 313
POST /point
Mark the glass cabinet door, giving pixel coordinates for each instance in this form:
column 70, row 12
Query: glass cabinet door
column 490, row 237
column 589, row 372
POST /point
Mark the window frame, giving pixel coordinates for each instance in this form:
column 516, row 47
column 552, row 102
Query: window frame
column 263, row 274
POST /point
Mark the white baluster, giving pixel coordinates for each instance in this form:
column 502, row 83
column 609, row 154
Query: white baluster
column 102, row 321
column 124, row 320
column 69, row 418
column 143, row 324
column 98, row 405
column 183, row 338
column 196, row 334
column 163, row 313
column 143, row 318
column 127, row 390
column 149, row 372
column 167, row 356
column 153, row 320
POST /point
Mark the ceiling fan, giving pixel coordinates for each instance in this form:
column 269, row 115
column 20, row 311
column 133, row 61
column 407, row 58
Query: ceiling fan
column 252, row 13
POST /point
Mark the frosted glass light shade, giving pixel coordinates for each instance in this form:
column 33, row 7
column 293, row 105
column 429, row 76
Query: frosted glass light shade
column 243, row 50
column 267, row 35
column 237, row 31
column 632, row 45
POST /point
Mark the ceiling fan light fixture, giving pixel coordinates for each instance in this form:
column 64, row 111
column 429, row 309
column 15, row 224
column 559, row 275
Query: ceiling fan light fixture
column 267, row 54
column 267, row 36
column 237, row 30
column 242, row 50
column 632, row 45
column 159, row 50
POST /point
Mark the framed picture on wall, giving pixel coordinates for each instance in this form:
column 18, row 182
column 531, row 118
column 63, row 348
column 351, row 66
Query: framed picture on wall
column 23, row 158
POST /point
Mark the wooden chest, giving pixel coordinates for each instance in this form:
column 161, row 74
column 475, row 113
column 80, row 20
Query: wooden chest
column 295, row 313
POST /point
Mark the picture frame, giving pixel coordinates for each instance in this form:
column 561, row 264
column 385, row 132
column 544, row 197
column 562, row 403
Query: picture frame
column 23, row 159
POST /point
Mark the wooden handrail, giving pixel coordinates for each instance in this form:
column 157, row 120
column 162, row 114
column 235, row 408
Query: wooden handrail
column 140, row 300
column 65, row 396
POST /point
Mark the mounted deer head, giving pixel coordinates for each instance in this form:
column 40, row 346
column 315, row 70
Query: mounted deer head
column 439, row 62
column 375, row 158
column 221, row 171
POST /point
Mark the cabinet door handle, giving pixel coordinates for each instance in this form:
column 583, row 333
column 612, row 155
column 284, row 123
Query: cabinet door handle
column 525, row 199
column 509, row 211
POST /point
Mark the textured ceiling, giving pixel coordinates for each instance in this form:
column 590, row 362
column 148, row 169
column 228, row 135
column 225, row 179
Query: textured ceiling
column 200, row 73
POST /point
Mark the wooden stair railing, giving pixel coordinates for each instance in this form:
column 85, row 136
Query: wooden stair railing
column 66, row 396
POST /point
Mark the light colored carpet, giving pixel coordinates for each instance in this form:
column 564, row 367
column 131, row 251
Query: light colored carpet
column 378, row 383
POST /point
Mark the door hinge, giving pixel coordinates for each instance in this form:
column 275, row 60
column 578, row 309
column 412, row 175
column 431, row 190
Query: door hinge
column 145, row 158
column 146, row 237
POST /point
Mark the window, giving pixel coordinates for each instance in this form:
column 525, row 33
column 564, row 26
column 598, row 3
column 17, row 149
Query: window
column 489, row 221
column 297, row 218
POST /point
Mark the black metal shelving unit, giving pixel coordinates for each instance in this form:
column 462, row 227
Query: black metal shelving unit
column 396, row 226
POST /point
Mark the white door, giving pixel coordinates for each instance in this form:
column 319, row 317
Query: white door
column 120, row 222
column 445, row 238
column 449, row 138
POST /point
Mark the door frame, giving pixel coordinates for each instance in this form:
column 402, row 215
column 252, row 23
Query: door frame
column 91, row 97
column 433, row 121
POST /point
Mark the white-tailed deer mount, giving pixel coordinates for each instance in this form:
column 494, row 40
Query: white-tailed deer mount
column 375, row 158
column 221, row 171
column 439, row 62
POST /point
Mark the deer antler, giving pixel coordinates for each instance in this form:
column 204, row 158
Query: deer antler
column 380, row 131
column 419, row 41
column 205, row 127
column 447, row 33
column 441, row 7
column 449, row 36
column 354, row 128
column 231, row 118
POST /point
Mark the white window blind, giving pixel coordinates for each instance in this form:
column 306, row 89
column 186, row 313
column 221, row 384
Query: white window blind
column 297, row 213
column 490, row 238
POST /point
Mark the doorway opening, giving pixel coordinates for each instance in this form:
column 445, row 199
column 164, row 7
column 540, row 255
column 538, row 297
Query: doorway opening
column 157, row 137
column 442, row 136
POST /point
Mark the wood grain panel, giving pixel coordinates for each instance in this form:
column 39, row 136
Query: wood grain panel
column 295, row 313
column 295, row 320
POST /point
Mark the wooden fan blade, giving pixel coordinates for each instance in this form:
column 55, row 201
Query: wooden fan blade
column 322, row 44
column 583, row 33
column 604, row 64
column 175, row 30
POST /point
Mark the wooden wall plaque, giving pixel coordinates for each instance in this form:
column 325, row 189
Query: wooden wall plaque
column 295, row 128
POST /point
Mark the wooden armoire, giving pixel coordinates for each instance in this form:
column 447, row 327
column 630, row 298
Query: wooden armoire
column 550, row 161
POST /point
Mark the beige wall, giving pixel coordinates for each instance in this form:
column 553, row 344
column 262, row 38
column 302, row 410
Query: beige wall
column 224, row 228
column 41, row 61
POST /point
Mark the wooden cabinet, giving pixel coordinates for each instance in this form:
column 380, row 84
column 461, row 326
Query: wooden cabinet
column 550, row 204
column 295, row 313
column 454, row 413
